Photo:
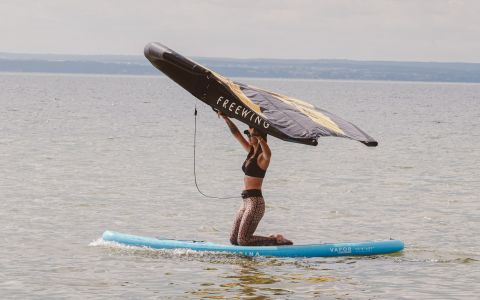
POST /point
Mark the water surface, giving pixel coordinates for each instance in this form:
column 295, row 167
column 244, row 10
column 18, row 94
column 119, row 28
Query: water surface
column 82, row 154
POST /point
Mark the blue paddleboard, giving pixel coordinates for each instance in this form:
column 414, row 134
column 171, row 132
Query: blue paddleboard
column 314, row 250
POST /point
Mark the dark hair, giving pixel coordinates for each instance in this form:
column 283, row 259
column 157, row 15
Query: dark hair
column 260, row 133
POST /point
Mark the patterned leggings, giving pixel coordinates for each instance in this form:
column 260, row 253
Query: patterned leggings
column 246, row 221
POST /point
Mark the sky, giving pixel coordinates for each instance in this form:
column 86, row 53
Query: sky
column 399, row 30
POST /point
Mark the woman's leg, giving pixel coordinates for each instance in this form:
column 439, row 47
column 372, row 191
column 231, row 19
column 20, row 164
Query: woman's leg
column 254, row 208
column 236, row 224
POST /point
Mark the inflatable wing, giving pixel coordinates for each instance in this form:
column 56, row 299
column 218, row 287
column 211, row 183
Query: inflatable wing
column 281, row 116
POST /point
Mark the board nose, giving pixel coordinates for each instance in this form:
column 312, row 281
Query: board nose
column 155, row 51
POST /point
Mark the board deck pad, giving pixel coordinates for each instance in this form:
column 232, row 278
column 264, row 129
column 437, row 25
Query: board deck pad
column 374, row 247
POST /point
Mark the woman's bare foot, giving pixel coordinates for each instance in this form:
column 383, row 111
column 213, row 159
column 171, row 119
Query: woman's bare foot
column 281, row 240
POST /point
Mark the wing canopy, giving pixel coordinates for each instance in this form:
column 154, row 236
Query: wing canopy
column 281, row 116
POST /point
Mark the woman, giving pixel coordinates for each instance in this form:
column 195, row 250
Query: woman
column 253, row 206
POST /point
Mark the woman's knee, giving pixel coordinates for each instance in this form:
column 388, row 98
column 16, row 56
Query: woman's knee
column 243, row 241
column 233, row 240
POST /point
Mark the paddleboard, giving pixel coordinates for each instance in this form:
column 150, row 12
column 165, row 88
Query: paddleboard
column 374, row 247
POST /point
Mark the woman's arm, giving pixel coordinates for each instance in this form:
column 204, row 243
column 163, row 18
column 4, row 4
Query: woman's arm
column 266, row 153
column 236, row 133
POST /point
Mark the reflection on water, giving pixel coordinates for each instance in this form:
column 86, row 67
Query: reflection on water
column 250, row 281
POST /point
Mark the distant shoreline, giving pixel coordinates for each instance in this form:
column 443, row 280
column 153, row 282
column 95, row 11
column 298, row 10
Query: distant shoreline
column 161, row 75
column 250, row 68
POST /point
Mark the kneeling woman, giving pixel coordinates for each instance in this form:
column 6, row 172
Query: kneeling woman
column 253, row 206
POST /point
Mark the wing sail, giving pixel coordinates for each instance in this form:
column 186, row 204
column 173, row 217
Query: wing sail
column 281, row 116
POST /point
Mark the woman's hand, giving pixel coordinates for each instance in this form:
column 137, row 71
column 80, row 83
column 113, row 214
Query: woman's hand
column 220, row 114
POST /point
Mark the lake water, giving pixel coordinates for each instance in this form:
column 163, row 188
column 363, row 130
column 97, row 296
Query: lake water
column 83, row 154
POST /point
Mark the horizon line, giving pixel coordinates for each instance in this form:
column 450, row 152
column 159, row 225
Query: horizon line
column 242, row 58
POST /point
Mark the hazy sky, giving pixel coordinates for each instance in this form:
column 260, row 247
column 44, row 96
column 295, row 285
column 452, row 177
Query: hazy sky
column 422, row 30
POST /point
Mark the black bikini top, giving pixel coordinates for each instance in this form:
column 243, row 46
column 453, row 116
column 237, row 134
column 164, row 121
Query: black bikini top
column 251, row 168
